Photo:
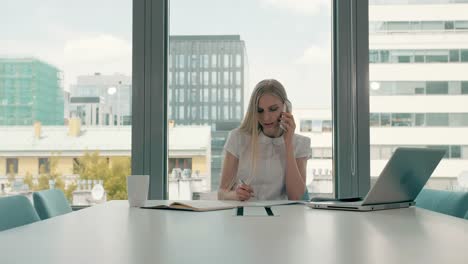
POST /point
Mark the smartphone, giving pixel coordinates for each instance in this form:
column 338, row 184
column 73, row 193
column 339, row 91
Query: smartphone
column 287, row 108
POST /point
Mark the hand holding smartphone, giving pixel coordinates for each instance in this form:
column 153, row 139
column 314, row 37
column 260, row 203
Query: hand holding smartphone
column 287, row 108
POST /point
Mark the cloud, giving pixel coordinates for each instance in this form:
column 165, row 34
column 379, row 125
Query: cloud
column 102, row 48
column 306, row 7
column 307, row 84
column 314, row 55
column 104, row 53
column 83, row 54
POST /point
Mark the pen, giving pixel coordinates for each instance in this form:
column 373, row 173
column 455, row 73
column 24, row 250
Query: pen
column 243, row 182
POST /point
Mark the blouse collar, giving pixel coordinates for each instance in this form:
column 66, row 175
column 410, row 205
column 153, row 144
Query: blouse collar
column 268, row 140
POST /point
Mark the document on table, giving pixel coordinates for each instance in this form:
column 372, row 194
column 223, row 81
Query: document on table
column 195, row 205
column 211, row 205
column 263, row 203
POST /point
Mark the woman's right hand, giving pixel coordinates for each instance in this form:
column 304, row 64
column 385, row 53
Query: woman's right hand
column 244, row 192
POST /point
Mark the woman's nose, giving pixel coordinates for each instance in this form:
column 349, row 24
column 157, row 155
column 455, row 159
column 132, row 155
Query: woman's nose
column 268, row 117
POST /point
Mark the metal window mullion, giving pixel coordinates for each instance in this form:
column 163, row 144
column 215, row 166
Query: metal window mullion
column 149, row 105
column 350, row 99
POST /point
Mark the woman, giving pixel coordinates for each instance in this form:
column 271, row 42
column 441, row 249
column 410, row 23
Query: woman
column 264, row 159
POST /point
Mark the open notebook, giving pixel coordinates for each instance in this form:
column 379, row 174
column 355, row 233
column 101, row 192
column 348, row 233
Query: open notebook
column 196, row 206
column 207, row 205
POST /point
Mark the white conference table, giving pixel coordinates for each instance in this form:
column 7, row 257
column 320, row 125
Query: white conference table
column 114, row 233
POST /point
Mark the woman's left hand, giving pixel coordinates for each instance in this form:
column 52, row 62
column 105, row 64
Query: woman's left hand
column 289, row 127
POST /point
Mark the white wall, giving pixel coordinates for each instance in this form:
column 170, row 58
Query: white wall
column 418, row 12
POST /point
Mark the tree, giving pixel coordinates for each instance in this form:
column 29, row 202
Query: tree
column 113, row 172
column 46, row 176
column 116, row 182
column 28, row 180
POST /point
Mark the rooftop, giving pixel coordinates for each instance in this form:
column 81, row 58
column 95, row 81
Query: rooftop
column 21, row 140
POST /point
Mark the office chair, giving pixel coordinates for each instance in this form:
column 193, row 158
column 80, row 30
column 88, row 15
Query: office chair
column 16, row 211
column 445, row 202
column 51, row 203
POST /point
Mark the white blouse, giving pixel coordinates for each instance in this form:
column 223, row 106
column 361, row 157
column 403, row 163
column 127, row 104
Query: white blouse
column 268, row 180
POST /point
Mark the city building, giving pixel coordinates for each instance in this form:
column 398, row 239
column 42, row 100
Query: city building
column 30, row 90
column 28, row 150
column 92, row 110
column 114, row 93
column 206, row 87
column 418, row 82
column 418, row 91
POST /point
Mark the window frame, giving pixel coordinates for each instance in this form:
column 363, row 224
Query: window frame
column 149, row 102
column 351, row 148
column 350, row 106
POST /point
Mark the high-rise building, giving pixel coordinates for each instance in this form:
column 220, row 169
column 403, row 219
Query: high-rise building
column 419, row 86
column 206, row 79
column 102, row 99
column 206, row 87
column 418, row 90
column 30, row 90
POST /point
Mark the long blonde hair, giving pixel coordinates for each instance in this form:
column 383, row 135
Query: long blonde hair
column 250, row 124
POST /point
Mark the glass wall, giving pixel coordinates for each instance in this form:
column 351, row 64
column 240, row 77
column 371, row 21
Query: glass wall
column 65, row 98
column 218, row 52
column 418, row 56
column 418, row 84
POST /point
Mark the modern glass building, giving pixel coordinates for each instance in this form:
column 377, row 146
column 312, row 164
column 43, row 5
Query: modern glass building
column 30, row 90
column 206, row 79
column 206, row 87
column 102, row 99
column 418, row 64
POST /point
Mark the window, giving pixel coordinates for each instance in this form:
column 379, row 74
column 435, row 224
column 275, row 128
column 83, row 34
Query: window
column 181, row 61
column 374, row 119
column 44, row 165
column 70, row 105
column 226, row 78
column 226, row 60
column 206, row 78
column 11, row 166
column 398, row 26
column 238, row 78
column 458, row 119
column 213, row 61
column 238, row 61
column 432, row 25
column 448, row 25
column 327, row 126
column 181, row 95
column 213, row 78
column 420, row 120
column 464, row 55
column 385, row 119
column 461, row 25
column 179, row 163
column 206, row 61
column 423, row 70
column 464, row 87
column 401, row 120
column 436, row 56
column 306, row 126
column 437, row 88
column 226, row 112
column 455, row 152
column 454, row 55
column 437, row 119
column 181, row 78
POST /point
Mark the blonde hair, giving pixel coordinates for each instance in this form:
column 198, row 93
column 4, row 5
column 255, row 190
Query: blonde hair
column 250, row 124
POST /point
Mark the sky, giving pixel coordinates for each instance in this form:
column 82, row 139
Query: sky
column 288, row 40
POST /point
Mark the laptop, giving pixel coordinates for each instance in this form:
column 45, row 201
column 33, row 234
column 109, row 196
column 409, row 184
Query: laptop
column 401, row 180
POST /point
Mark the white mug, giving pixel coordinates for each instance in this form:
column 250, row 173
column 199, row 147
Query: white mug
column 137, row 189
